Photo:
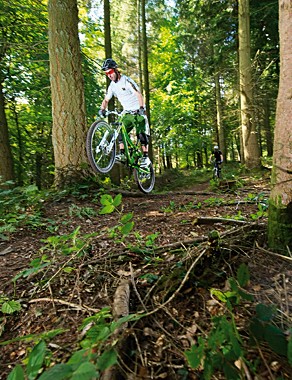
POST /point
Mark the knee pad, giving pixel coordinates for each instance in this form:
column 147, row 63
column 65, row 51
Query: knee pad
column 120, row 138
column 143, row 138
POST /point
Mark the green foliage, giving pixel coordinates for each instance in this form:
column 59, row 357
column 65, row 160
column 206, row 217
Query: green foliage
column 95, row 356
column 19, row 206
column 9, row 306
column 81, row 212
column 263, row 328
column 214, row 201
column 126, row 224
column 223, row 345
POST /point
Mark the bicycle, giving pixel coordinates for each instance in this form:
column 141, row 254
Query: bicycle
column 101, row 150
column 216, row 169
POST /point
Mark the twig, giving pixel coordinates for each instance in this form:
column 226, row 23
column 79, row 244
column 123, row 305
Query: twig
column 273, row 253
column 73, row 305
column 266, row 364
column 179, row 288
column 206, row 220
column 135, row 288
column 6, row 251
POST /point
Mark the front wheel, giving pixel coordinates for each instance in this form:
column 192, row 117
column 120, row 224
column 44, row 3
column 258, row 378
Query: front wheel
column 101, row 146
column 145, row 178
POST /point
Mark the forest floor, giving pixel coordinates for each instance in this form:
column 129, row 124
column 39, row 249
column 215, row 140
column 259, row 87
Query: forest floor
column 170, row 261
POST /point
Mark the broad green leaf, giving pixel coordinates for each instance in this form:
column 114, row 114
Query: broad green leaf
column 10, row 307
column 107, row 209
column 243, row 275
column 107, row 359
column 220, row 295
column 117, row 200
column 86, row 371
column 276, row 339
column 126, row 218
column 127, row 228
column 58, row 372
column 79, row 357
column 106, row 200
column 68, row 269
column 257, row 329
column 35, row 360
column 196, row 353
column 230, row 372
column 265, row 313
column 246, row 296
column 16, row 374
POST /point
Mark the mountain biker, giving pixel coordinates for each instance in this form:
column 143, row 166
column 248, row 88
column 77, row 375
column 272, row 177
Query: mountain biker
column 218, row 156
column 130, row 97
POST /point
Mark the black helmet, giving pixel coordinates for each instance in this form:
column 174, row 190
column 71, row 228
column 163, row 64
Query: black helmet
column 109, row 64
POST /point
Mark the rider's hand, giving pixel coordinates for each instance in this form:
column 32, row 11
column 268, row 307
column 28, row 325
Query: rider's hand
column 102, row 113
column 141, row 111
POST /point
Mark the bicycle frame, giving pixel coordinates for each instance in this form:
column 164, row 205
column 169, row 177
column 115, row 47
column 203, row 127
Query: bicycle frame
column 131, row 149
column 101, row 143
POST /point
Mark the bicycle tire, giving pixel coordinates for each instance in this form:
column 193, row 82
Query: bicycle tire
column 99, row 136
column 145, row 181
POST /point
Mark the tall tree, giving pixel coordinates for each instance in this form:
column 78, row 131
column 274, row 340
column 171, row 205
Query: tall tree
column 6, row 162
column 251, row 156
column 280, row 208
column 67, row 86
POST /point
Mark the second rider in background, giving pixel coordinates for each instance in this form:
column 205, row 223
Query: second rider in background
column 131, row 99
column 218, row 156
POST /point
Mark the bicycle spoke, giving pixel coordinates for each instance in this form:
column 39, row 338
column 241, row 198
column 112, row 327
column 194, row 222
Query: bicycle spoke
column 100, row 148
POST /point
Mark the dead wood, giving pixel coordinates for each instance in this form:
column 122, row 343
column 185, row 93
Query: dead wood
column 207, row 220
column 120, row 309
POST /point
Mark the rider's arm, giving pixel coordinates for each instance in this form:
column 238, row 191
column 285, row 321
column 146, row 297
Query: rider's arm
column 104, row 104
column 140, row 98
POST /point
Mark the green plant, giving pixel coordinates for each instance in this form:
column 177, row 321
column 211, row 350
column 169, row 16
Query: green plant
column 125, row 224
column 96, row 354
column 81, row 212
column 170, row 208
column 264, row 328
column 213, row 201
column 9, row 306
column 223, row 345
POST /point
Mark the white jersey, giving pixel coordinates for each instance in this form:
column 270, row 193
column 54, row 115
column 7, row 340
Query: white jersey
column 125, row 90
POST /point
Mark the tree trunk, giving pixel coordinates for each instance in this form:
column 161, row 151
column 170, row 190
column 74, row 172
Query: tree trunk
column 115, row 173
column 221, row 134
column 250, row 152
column 67, row 86
column 280, row 207
column 6, row 162
column 267, row 127
column 146, row 72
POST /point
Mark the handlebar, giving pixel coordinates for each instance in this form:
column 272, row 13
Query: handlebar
column 121, row 113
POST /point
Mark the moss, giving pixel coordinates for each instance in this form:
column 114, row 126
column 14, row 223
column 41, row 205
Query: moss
column 280, row 227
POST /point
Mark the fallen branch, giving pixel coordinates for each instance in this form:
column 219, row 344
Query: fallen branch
column 120, row 309
column 207, row 220
column 6, row 251
column 73, row 305
column 273, row 253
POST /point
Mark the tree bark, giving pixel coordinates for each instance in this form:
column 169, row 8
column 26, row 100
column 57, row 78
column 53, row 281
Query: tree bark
column 6, row 161
column 221, row 134
column 280, row 208
column 67, row 86
column 250, row 152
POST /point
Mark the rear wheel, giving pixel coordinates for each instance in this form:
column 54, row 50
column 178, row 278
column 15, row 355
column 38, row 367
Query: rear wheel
column 145, row 178
column 101, row 150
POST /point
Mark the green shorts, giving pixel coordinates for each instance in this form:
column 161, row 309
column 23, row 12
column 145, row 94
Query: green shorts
column 134, row 121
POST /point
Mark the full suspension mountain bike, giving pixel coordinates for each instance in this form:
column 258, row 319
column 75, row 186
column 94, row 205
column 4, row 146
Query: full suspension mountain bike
column 101, row 145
